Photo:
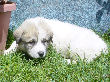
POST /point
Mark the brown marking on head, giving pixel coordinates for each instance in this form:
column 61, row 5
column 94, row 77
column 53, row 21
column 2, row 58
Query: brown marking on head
column 26, row 31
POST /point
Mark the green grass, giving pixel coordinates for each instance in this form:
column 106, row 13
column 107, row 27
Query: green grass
column 17, row 67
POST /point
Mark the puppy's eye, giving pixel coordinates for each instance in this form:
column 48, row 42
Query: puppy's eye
column 44, row 41
column 31, row 42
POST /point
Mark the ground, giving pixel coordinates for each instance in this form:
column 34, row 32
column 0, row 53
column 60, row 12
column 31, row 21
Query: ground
column 17, row 67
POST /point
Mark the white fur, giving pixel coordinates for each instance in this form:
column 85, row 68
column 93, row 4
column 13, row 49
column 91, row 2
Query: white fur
column 37, row 48
column 12, row 48
column 68, row 39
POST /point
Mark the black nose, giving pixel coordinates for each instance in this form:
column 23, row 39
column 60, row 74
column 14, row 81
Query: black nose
column 41, row 53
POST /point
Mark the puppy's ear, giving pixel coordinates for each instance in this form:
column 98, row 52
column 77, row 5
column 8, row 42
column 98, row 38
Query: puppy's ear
column 50, row 34
column 50, row 39
column 17, row 34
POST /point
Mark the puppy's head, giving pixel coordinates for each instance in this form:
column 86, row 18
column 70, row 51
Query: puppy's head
column 33, row 37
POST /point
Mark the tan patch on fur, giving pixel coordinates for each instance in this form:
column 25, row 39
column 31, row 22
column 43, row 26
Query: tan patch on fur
column 26, row 31
column 45, row 26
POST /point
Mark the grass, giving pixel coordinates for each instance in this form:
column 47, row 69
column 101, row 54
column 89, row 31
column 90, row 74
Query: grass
column 17, row 67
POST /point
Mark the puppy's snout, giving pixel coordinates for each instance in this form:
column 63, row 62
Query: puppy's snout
column 41, row 53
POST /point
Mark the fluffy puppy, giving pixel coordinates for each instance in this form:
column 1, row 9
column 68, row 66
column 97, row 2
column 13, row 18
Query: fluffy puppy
column 35, row 34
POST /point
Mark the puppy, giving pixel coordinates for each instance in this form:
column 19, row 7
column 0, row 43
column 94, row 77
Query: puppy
column 35, row 34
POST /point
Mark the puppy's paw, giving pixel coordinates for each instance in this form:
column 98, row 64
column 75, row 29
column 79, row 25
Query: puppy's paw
column 69, row 61
column 11, row 49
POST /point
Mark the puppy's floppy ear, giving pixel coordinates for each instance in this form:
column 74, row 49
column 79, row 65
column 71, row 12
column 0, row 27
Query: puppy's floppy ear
column 17, row 34
column 50, row 38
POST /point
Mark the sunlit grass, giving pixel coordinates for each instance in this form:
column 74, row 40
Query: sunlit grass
column 17, row 67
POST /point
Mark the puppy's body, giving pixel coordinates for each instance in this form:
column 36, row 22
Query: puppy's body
column 69, row 40
column 77, row 40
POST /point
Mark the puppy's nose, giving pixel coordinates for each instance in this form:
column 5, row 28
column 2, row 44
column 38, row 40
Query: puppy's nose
column 41, row 53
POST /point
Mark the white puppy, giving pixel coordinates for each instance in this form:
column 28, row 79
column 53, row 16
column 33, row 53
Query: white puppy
column 35, row 34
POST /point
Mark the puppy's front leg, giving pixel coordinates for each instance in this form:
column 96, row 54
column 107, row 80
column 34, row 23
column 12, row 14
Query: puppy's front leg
column 13, row 48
